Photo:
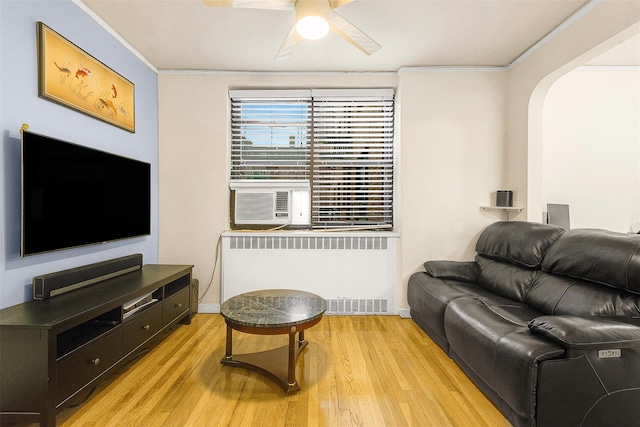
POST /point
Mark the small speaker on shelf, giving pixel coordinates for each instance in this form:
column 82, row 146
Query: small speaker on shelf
column 504, row 198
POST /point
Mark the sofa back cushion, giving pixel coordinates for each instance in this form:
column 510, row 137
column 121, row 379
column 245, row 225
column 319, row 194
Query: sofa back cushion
column 517, row 242
column 509, row 255
column 599, row 256
column 557, row 295
column 508, row 280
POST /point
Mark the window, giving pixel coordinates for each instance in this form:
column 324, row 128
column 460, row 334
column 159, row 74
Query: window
column 338, row 141
column 270, row 137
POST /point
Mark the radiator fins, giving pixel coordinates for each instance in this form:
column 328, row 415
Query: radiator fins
column 356, row 306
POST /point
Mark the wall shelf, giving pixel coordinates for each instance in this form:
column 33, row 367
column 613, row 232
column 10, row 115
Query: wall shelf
column 507, row 209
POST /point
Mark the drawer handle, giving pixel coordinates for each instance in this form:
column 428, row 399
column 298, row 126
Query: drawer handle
column 178, row 305
column 95, row 361
column 145, row 327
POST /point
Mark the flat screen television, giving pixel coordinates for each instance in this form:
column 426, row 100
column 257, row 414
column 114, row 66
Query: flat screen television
column 74, row 196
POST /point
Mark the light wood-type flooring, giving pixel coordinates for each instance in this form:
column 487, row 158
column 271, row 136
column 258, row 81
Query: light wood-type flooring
column 357, row 371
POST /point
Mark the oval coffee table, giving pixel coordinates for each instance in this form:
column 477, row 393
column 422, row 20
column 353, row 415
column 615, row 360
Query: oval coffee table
column 272, row 312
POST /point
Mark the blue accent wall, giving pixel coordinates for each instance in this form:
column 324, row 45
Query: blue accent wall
column 19, row 103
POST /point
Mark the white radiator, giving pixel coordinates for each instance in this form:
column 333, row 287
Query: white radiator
column 354, row 273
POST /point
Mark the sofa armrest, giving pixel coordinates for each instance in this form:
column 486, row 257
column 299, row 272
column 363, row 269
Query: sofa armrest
column 456, row 270
column 587, row 333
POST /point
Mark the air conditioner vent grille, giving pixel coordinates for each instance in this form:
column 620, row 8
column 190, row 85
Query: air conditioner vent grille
column 253, row 206
column 282, row 201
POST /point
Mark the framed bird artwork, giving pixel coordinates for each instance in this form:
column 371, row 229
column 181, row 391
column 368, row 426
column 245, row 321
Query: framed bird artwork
column 70, row 76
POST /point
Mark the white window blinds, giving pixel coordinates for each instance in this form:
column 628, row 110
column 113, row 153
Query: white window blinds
column 340, row 141
column 352, row 160
column 270, row 137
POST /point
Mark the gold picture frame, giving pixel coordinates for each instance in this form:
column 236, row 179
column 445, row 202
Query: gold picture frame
column 70, row 76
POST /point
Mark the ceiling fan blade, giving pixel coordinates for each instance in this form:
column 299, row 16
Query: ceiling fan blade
column 353, row 35
column 337, row 3
column 288, row 46
column 253, row 4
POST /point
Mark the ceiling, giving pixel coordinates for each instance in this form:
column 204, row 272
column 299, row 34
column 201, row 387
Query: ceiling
column 187, row 35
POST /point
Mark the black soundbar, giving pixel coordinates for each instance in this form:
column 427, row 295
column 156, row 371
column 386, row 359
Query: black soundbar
column 52, row 284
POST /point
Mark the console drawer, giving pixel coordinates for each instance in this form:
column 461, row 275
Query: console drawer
column 142, row 327
column 80, row 368
column 175, row 306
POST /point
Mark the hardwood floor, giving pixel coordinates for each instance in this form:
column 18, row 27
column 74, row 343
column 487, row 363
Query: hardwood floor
column 356, row 371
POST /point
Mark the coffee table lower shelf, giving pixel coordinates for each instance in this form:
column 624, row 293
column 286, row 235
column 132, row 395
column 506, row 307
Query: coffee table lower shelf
column 273, row 364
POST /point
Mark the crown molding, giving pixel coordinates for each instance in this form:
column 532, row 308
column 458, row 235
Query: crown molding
column 573, row 18
column 448, row 68
column 117, row 36
column 278, row 73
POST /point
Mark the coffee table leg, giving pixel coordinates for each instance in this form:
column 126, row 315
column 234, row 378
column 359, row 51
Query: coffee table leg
column 229, row 352
column 301, row 336
column 292, row 357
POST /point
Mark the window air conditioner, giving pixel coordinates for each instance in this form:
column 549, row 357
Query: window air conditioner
column 269, row 203
column 263, row 206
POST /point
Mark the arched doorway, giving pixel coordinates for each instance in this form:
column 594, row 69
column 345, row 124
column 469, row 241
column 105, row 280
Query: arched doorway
column 539, row 172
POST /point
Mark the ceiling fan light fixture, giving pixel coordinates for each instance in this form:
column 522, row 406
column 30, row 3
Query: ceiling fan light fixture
column 312, row 27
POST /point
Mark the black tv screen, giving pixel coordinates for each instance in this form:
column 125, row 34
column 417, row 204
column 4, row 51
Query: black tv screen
column 75, row 196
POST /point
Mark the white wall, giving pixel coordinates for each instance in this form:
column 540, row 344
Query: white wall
column 591, row 147
column 451, row 133
column 194, row 143
column 20, row 104
column 452, row 150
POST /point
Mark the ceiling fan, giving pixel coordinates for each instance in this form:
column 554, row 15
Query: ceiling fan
column 314, row 18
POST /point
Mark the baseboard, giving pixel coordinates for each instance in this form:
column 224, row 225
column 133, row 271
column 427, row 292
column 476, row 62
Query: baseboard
column 404, row 313
column 209, row 308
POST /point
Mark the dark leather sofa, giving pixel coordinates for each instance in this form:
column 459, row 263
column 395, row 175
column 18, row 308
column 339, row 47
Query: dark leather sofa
column 545, row 322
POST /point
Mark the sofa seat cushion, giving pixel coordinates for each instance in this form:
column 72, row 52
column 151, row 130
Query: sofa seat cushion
column 490, row 336
column 429, row 296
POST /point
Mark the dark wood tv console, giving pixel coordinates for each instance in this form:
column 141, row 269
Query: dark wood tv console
column 54, row 352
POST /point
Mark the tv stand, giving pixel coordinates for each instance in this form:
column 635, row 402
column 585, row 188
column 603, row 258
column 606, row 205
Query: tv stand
column 54, row 351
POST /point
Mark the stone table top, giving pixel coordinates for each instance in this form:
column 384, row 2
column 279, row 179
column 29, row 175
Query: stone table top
column 272, row 308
